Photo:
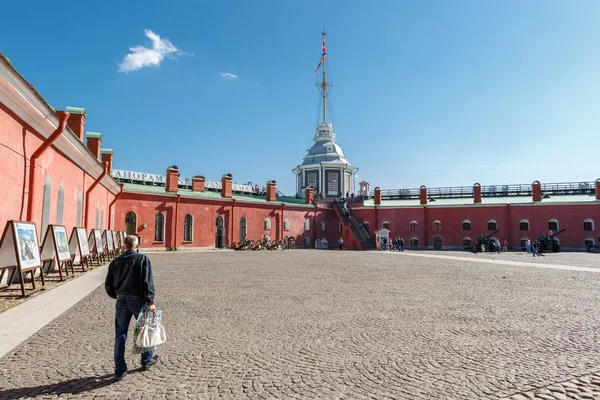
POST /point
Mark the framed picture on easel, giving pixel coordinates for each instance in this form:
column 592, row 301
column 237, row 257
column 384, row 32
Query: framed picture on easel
column 78, row 243
column 108, row 242
column 116, row 242
column 55, row 248
column 19, row 253
column 95, row 246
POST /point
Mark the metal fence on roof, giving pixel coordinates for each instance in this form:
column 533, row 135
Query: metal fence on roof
column 491, row 190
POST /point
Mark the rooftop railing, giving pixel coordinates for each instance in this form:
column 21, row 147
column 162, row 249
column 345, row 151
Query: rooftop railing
column 491, row 190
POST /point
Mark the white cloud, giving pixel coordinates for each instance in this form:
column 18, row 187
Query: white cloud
column 141, row 56
column 228, row 75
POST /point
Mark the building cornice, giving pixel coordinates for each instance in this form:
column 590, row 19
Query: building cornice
column 25, row 102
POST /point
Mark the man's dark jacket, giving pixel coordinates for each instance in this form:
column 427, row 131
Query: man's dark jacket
column 130, row 274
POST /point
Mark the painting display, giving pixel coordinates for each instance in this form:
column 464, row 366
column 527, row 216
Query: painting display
column 98, row 237
column 62, row 244
column 27, row 245
column 109, row 240
column 84, row 249
column 116, row 241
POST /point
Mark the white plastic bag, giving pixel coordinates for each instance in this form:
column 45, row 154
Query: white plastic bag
column 151, row 333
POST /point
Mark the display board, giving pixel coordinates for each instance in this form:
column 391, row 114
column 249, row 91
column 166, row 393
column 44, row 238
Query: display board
column 116, row 241
column 95, row 241
column 108, row 240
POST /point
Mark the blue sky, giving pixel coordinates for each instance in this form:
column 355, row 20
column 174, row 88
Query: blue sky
column 439, row 93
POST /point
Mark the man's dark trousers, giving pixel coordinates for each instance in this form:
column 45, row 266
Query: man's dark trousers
column 127, row 307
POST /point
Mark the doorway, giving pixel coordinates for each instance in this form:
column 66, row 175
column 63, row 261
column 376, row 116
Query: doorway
column 437, row 243
column 220, row 233
column 131, row 223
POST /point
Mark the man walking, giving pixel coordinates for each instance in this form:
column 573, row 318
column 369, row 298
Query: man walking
column 130, row 281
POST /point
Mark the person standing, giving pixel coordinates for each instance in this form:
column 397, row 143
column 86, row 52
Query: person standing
column 341, row 244
column 505, row 246
column 528, row 245
column 497, row 245
column 401, row 244
column 129, row 280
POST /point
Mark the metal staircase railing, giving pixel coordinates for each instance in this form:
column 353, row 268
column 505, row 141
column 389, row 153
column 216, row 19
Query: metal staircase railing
column 360, row 230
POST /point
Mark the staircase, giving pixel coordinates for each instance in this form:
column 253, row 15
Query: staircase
column 361, row 232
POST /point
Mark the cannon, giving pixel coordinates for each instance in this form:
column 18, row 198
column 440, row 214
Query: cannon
column 486, row 240
column 592, row 246
column 548, row 242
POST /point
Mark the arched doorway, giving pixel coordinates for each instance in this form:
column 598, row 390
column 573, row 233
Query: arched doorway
column 437, row 243
column 220, row 233
column 131, row 223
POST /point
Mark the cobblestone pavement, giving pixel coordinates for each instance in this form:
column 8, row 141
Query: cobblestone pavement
column 332, row 325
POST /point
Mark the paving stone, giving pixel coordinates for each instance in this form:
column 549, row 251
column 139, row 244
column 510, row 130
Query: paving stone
column 329, row 324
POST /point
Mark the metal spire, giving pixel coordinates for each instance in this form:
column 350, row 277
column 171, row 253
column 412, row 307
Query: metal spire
column 324, row 85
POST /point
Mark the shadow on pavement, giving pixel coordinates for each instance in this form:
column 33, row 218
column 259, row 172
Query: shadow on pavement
column 72, row 386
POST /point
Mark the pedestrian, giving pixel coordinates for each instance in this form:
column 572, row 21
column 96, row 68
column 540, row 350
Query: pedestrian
column 401, row 244
column 534, row 248
column 130, row 281
column 505, row 246
column 341, row 244
column 139, row 243
column 352, row 196
column 528, row 245
column 497, row 245
column 347, row 195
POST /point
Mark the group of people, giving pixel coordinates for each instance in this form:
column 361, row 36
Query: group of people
column 533, row 248
column 398, row 244
column 494, row 246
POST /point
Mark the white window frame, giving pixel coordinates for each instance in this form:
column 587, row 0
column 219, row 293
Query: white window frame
column 437, row 221
column 192, row 228
column 267, row 224
column 286, row 224
column 593, row 225
column 490, row 221
column 528, row 225
column 416, row 225
column 386, row 222
column 246, row 236
column 466, row 221
column 589, row 239
column 410, row 240
column 164, row 223
column 557, row 224
column 467, row 238
column 307, row 224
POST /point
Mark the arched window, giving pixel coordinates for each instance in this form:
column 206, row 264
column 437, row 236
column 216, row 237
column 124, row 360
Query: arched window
column 306, row 224
column 413, row 226
column 523, row 241
column 588, row 225
column 46, row 204
column 437, row 226
column 79, row 208
column 322, row 226
column 244, row 228
column 492, row 225
column 589, row 242
column 467, row 242
column 553, row 224
column 159, row 227
column 466, row 225
column 60, row 204
column 267, row 223
column 524, row 225
column 286, row 225
column 131, row 223
column 102, row 217
column 188, row 228
column 414, row 241
column 386, row 225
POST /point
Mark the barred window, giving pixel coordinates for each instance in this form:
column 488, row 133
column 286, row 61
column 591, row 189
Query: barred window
column 243, row 228
column 159, row 227
column 188, row 228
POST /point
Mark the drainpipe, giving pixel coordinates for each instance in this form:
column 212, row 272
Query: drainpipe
column 376, row 218
column 176, row 224
column 87, row 193
column 111, row 204
column 232, row 207
column 62, row 123
column 509, row 226
column 314, row 232
column 282, row 209
column 426, row 225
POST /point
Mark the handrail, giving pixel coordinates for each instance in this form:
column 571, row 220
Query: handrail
column 492, row 190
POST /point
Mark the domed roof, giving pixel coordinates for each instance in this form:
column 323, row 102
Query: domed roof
column 324, row 151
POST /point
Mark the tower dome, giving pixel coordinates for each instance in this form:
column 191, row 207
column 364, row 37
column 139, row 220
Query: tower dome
column 325, row 166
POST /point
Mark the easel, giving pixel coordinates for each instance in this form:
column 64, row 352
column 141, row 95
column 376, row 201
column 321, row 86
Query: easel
column 19, row 253
column 55, row 247
column 116, row 242
column 107, row 240
column 95, row 246
column 79, row 242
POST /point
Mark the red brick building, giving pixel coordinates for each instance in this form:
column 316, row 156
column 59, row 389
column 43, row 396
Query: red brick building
column 49, row 175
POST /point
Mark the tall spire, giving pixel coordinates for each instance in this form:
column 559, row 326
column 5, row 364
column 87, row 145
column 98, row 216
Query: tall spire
column 324, row 85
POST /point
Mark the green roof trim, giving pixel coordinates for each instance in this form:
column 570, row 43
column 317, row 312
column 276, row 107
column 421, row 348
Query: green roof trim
column 107, row 151
column 75, row 110
column 93, row 135
column 207, row 195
